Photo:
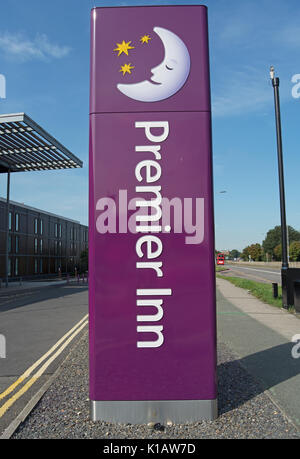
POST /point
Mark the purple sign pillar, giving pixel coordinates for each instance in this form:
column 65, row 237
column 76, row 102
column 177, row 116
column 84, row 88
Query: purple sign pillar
column 151, row 242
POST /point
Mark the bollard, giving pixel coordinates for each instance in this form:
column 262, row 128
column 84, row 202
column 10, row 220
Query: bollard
column 297, row 296
column 275, row 290
column 2, row 347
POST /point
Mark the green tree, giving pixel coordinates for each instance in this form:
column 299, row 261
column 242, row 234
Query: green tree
column 84, row 260
column 278, row 252
column 234, row 254
column 255, row 251
column 245, row 254
column 273, row 238
column 295, row 251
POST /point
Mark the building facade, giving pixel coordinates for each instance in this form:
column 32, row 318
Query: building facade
column 40, row 243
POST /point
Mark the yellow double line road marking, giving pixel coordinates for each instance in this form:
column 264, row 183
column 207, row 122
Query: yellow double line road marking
column 68, row 337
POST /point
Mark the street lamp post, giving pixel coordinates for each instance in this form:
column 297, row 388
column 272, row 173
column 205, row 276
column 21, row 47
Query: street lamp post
column 284, row 237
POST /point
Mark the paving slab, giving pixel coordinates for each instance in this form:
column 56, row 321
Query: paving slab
column 261, row 335
column 279, row 320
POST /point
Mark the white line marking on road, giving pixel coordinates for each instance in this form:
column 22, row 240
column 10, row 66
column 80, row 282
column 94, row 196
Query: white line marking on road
column 259, row 270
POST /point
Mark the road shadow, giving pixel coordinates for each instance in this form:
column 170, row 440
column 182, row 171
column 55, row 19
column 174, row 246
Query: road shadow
column 21, row 299
column 243, row 379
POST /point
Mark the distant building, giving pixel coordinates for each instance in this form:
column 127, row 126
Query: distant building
column 40, row 243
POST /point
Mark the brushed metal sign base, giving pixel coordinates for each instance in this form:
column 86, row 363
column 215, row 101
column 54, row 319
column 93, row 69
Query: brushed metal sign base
column 142, row 412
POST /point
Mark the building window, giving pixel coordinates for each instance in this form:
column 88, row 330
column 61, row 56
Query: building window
column 10, row 221
column 9, row 243
column 55, row 230
column 9, row 267
column 17, row 267
column 59, row 247
column 41, row 245
column 17, row 222
column 17, row 244
column 35, row 226
column 41, row 227
column 35, row 245
column 60, row 231
column 35, row 266
column 41, row 266
column 55, row 246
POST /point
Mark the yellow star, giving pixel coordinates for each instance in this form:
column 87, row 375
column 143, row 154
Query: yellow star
column 145, row 39
column 123, row 47
column 126, row 68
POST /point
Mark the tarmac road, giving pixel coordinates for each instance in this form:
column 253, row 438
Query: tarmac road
column 258, row 379
column 37, row 327
column 263, row 274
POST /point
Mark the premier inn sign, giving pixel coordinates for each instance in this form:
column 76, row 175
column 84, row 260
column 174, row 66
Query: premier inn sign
column 151, row 245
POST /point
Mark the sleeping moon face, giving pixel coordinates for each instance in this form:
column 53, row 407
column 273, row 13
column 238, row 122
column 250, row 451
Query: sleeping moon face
column 168, row 77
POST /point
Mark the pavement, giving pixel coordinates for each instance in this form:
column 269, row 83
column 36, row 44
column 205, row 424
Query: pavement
column 24, row 286
column 262, row 337
column 257, row 377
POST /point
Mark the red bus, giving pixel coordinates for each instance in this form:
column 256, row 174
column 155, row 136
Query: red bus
column 220, row 259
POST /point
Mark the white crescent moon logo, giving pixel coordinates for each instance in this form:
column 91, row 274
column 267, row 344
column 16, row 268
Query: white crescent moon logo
column 168, row 77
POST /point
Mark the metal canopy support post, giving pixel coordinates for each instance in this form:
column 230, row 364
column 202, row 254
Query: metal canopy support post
column 7, row 228
column 284, row 235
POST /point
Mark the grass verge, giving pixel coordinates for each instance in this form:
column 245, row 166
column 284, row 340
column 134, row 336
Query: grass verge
column 261, row 291
column 219, row 269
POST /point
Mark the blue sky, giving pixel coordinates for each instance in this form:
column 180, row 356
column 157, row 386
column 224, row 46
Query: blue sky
column 44, row 55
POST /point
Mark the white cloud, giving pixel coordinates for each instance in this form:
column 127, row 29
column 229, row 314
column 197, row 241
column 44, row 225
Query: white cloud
column 22, row 48
column 241, row 92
